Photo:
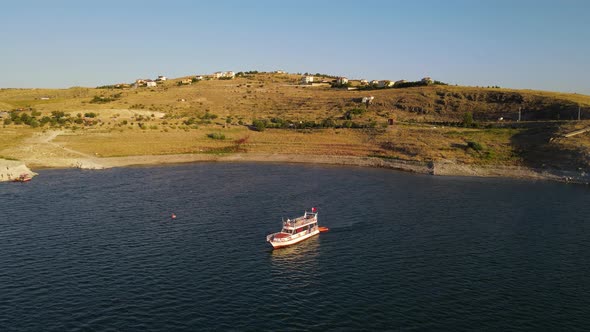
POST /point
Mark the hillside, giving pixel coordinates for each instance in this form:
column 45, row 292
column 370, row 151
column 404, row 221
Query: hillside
column 463, row 125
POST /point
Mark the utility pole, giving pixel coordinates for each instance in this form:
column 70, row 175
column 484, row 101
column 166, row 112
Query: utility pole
column 519, row 114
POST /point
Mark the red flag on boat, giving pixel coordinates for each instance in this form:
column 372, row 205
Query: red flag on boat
column 313, row 209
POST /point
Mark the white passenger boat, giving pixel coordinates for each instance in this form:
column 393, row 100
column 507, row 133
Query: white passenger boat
column 295, row 230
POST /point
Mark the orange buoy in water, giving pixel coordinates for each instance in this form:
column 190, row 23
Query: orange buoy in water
column 323, row 229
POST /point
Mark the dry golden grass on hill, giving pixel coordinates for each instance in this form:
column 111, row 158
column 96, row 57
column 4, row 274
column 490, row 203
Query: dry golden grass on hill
column 421, row 114
column 147, row 142
column 267, row 95
column 13, row 137
column 401, row 142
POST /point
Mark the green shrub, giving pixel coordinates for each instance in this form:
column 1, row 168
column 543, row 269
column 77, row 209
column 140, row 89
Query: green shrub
column 208, row 116
column 58, row 114
column 259, row 125
column 489, row 155
column 351, row 114
column 103, row 100
column 475, row 145
column 467, row 119
column 45, row 120
column 277, row 122
column 328, row 123
column 218, row 136
column 25, row 118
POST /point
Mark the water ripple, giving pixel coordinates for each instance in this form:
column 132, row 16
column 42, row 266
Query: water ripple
column 99, row 251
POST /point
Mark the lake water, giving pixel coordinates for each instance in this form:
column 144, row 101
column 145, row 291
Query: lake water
column 98, row 251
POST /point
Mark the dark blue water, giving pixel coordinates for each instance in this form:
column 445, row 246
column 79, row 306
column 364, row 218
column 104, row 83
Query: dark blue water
column 97, row 251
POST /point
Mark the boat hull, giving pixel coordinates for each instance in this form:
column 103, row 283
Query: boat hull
column 276, row 244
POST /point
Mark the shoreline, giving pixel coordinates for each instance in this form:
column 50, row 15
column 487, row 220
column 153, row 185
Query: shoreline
column 438, row 168
column 11, row 170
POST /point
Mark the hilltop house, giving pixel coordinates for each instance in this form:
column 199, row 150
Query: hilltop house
column 341, row 81
column 307, row 80
column 161, row 78
column 385, row 84
column 374, row 82
column 227, row 74
column 199, row 78
column 186, row 81
column 364, row 82
column 150, row 83
column 399, row 82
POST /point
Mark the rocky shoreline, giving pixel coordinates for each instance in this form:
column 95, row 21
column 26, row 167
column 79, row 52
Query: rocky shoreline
column 11, row 170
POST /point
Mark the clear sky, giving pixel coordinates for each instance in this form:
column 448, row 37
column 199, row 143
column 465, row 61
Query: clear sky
column 518, row 44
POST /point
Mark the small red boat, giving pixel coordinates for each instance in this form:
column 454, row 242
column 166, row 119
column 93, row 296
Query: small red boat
column 23, row 178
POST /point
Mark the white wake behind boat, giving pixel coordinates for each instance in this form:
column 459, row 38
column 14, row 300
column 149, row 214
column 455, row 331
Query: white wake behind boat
column 295, row 230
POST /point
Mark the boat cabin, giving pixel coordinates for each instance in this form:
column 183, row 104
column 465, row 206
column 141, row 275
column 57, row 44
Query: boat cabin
column 291, row 230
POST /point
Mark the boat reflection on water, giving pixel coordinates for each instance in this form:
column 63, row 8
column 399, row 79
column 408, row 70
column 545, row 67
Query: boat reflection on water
column 300, row 254
column 295, row 270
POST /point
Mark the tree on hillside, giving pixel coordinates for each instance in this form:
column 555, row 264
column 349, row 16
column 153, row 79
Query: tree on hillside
column 259, row 125
column 467, row 119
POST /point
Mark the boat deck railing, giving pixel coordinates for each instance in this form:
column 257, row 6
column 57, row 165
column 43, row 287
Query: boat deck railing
column 301, row 221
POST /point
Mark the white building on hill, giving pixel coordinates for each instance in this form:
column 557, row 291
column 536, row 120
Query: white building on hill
column 385, row 84
column 307, row 80
column 341, row 81
column 224, row 74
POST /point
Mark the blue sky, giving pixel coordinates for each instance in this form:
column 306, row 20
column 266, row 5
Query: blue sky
column 518, row 44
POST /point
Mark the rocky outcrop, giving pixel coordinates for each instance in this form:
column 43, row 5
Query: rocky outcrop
column 11, row 170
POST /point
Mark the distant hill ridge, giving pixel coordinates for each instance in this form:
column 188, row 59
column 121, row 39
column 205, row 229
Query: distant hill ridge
column 259, row 95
